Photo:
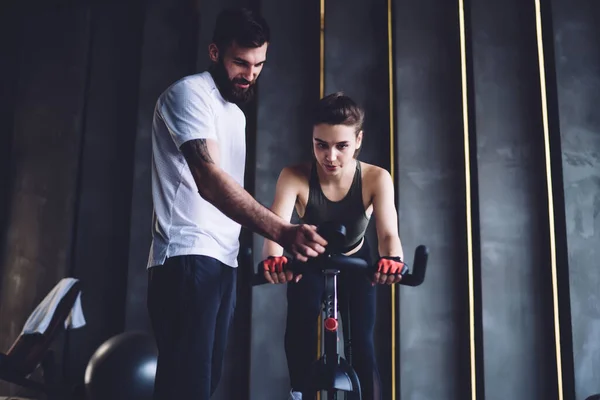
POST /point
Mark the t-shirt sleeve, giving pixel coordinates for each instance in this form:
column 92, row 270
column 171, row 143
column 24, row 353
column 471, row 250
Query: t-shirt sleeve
column 187, row 113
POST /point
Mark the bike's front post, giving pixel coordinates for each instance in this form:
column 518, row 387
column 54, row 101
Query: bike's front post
column 330, row 324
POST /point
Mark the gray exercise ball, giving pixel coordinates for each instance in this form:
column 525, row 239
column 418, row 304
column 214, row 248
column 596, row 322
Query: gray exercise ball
column 123, row 367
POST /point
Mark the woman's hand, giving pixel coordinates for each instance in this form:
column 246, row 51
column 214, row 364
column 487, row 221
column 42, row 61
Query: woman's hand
column 275, row 271
column 389, row 270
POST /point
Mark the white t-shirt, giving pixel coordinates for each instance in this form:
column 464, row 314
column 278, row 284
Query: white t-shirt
column 183, row 222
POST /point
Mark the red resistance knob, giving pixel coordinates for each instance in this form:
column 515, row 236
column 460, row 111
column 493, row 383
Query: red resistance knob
column 331, row 324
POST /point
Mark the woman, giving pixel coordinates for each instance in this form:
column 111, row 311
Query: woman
column 336, row 187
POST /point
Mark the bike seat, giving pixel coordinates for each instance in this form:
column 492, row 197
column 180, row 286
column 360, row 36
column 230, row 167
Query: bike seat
column 333, row 376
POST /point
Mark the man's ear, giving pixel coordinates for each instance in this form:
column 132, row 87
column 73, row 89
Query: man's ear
column 213, row 52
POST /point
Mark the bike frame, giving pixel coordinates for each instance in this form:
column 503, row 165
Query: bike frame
column 330, row 313
column 331, row 372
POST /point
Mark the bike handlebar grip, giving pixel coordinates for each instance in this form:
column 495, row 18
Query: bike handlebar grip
column 419, row 267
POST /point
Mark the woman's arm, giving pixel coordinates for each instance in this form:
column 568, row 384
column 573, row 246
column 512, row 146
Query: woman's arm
column 286, row 193
column 386, row 217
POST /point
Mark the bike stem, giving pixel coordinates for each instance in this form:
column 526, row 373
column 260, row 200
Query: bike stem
column 330, row 322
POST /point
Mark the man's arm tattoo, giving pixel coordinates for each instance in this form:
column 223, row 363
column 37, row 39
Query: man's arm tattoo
column 222, row 191
column 197, row 150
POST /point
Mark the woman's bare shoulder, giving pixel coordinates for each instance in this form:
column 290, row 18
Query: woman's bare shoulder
column 297, row 172
column 372, row 173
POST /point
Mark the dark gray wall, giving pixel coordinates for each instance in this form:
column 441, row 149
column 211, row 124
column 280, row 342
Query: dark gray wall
column 52, row 64
column 577, row 58
column 168, row 52
column 9, row 43
column 105, row 175
column 517, row 307
column 288, row 86
column 430, row 183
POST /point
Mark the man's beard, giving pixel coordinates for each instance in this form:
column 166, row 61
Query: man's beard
column 227, row 87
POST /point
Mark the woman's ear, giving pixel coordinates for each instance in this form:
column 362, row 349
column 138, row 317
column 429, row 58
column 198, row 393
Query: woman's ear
column 213, row 52
column 359, row 137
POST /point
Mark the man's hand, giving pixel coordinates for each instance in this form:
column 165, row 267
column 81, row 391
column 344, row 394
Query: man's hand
column 389, row 270
column 302, row 241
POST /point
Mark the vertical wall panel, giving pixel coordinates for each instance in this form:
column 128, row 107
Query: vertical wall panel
column 10, row 25
column 168, row 53
column 45, row 148
column 105, row 177
column 434, row 353
column 576, row 41
column 356, row 62
column 288, row 86
column 517, row 305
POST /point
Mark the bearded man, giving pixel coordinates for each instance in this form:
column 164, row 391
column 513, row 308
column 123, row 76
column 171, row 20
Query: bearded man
column 199, row 206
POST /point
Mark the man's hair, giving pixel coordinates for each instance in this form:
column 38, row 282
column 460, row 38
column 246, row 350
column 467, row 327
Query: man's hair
column 338, row 109
column 240, row 25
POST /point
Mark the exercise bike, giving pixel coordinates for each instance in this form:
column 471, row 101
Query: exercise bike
column 332, row 372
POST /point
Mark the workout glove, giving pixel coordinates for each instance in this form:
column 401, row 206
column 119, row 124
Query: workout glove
column 275, row 264
column 388, row 269
column 274, row 270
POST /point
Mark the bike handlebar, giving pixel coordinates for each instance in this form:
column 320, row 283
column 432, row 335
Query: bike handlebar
column 340, row 262
column 417, row 276
column 335, row 234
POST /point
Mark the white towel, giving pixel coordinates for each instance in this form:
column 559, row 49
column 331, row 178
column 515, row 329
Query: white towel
column 40, row 318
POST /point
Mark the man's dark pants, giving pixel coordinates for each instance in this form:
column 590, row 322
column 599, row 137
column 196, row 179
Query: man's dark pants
column 191, row 300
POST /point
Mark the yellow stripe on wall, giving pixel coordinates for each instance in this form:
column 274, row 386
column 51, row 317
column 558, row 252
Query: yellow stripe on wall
column 322, row 50
column 463, row 63
column 394, row 292
column 553, row 265
column 321, row 94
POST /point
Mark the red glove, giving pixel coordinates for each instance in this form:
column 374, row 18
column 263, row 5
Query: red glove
column 389, row 270
column 275, row 264
column 274, row 269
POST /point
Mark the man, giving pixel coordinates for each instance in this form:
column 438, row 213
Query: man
column 198, row 153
